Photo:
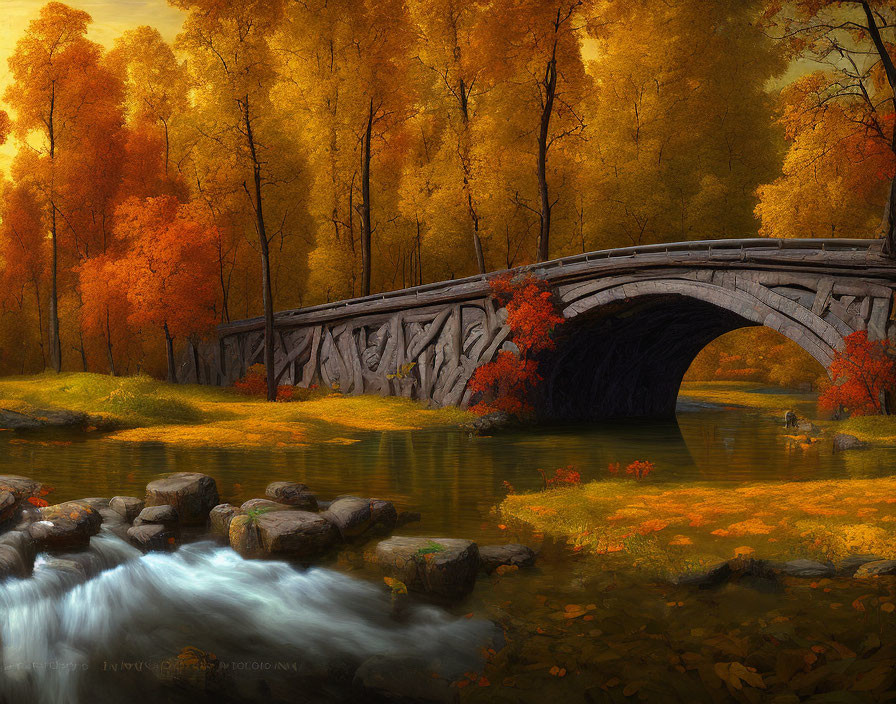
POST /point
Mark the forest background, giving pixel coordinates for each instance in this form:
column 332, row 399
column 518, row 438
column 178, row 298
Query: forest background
column 157, row 183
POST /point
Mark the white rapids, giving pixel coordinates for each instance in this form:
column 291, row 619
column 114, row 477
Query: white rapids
column 93, row 627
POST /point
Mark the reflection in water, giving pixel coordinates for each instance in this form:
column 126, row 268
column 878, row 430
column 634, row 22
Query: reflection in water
column 65, row 639
column 453, row 479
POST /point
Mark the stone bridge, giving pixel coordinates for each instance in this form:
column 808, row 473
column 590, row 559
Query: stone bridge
column 637, row 317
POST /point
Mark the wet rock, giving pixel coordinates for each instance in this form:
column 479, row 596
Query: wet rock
column 442, row 566
column 706, row 579
column 848, row 565
column 8, row 504
column 264, row 505
column 493, row 556
column 490, row 423
column 128, row 507
column 17, row 552
column 14, row 493
column 401, row 678
column 805, row 569
column 292, row 494
column 158, row 515
column 294, row 534
column 383, row 516
column 350, row 515
column 221, row 516
column 65, row 526
column 40, row 418
column 844, row 441
column 152, row 536
column 191, row 493
column 876, row 569
column 807, row 427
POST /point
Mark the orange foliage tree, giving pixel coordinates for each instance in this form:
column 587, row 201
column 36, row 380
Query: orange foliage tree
column 168, row 267
column 842, row 115
column 505, row 384
column 861, row 373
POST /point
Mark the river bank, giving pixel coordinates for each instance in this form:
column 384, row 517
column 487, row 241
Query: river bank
column 141, row 409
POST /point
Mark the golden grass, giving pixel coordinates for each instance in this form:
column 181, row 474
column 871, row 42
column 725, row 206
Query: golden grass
column 675, row 528
column 746, row 394
column 153, row 411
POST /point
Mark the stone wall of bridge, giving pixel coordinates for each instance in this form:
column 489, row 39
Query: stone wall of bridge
column 636, row 319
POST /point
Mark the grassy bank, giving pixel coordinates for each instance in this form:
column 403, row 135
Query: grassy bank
column 144, row 410
column 673, row 529
column 749, row 394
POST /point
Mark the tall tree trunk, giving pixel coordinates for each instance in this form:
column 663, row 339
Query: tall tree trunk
column 109, row 345
column 266, row 294
column 550, row 89
column 195, row 350
column 365, row 205
column 888, row 226
column 40, row 324
column 169, row 349
column 82, row 350
column 55, row 344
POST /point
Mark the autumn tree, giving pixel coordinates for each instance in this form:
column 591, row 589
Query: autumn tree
column 23, row 253
column 454, row 49
column 542, row 44
column 862, row 373
column 105, row 311
column 166, row 269
column 156, row 102
column 49, row 90
column 853, row 94
column 681, row 124
column 348, row 68
column 234, row 70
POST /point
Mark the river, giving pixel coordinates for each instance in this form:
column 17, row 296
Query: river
column 110, row 638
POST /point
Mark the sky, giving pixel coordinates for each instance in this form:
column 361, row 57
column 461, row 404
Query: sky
column 110, row 19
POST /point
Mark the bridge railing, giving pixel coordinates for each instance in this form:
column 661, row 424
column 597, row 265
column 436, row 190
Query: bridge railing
column 705, row 246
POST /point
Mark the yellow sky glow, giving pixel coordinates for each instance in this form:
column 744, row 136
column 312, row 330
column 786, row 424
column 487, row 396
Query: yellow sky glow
column 110, row 19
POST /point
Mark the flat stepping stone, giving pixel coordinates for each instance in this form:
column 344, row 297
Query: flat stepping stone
column 193, row 494
column 876, row 569
column 290, row 534
column 805, row 569
column 292, row 494
column 158, row 515
column 444, row 567
column 65, row 526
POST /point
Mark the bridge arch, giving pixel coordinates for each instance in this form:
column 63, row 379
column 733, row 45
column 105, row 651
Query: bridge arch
column 626, row 347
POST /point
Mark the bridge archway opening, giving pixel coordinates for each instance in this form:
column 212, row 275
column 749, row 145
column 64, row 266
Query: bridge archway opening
column 626, row 358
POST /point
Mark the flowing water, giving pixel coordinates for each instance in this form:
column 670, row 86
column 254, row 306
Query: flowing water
column 109, row 625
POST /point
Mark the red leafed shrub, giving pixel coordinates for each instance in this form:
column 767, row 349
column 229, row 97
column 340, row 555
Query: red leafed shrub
column 508, row 487
column 614, row 467
column 860, row 373
column 255, row 384
column 564, row 477
column 640, row 468
column 506, row 383
column 36, row 501
column 531, row 313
